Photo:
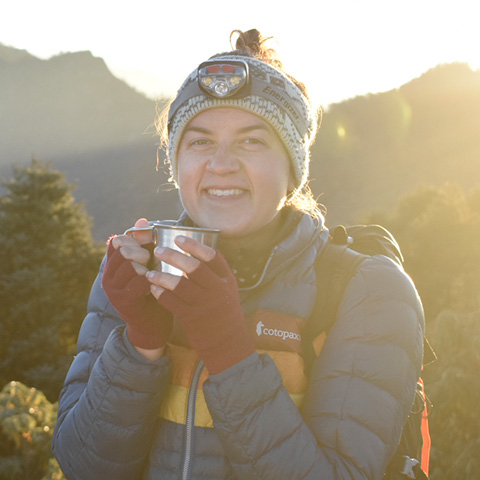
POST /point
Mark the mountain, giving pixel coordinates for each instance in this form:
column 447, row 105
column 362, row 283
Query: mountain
column 72, row 111
column 370, row 150
column 68, row 104
column 373, row 149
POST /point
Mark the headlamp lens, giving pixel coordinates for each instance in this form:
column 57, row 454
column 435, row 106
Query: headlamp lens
column 235, row 80
column 221, row 89
column 221, row 79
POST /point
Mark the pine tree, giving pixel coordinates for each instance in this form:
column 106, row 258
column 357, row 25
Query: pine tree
column 27, row 420
column 48, row 261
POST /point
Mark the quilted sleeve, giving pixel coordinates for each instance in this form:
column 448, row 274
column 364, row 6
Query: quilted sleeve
column 360, row 392
column 110, row 401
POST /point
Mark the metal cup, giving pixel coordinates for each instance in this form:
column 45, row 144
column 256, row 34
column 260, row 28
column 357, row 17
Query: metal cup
column 164, row 236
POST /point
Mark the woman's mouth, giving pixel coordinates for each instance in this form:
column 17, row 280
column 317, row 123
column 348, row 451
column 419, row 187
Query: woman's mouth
column 231, row 192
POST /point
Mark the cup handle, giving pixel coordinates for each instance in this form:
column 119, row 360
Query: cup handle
column 151, row 228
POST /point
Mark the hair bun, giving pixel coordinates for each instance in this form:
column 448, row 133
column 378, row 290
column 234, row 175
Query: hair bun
column 251, row 40
column 252, row 43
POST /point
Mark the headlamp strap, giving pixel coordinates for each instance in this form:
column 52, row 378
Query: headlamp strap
column 264, row 89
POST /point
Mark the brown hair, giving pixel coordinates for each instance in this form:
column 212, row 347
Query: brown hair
column 252, row 44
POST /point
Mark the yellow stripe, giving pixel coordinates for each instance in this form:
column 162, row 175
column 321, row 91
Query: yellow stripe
column 291, row 367
column 184, row 360
column 297, row 398
column 289, row 364
column 174, row 406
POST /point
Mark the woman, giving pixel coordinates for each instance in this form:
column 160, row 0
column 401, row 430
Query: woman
column 202, row 376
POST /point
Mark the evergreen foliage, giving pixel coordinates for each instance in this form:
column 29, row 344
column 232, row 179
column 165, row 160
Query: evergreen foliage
column 27, row 420
column 48, row 263
column 454, row 391
column 438, row 230
column 49, row 260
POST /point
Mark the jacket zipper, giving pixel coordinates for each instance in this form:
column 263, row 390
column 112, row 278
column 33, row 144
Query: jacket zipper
column 264, row 272
column 190, row 421
column 192, row 397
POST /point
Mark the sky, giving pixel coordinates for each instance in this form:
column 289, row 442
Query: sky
column 338, row 48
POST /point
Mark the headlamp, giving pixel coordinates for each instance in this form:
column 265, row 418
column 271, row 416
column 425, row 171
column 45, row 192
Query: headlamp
column 222, row 79
column 248, row 83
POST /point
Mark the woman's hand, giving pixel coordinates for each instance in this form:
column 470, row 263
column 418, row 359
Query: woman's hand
column 206, row 303
column 186, row 263
column 149, row 325
column 137, row 249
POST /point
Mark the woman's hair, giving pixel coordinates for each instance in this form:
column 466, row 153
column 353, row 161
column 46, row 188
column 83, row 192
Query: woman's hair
column 252, row 44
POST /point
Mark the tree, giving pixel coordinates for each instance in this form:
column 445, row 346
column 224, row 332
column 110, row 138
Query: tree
column 27, row 420
column 454, row 390
column 438, row 230
column 48, row 260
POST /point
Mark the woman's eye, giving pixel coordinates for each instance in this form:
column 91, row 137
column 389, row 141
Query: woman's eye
column 253, row 141
column 200, row 141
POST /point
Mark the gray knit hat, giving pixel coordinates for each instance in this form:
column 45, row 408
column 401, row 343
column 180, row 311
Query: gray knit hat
column 248, row 83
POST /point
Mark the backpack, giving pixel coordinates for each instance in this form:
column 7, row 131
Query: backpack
column 347, row 248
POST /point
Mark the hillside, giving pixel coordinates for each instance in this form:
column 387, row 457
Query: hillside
column 72, row 111
column 66, row 105
column 370, row 151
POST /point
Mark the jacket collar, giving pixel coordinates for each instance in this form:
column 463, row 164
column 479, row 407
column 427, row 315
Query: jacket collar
column 271, row 251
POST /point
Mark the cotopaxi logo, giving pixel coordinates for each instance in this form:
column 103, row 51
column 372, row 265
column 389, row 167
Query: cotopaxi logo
column 274, row 332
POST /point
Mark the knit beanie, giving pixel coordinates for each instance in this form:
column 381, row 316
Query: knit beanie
column 250, row 84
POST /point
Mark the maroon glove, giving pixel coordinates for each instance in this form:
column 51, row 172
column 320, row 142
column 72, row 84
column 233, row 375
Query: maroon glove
column 207, row 305
column 149, row 325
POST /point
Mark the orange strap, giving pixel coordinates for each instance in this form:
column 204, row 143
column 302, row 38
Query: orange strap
column 427, row 442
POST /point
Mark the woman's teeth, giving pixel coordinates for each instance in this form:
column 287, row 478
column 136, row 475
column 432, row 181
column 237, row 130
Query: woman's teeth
column 224, row 193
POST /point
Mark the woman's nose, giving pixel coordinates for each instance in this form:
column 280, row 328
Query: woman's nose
column 223, row 161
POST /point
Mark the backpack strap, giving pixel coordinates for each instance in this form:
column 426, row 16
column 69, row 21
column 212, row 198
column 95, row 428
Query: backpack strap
column 334, row 267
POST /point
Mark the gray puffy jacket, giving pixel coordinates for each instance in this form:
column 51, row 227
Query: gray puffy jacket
column 347, row 425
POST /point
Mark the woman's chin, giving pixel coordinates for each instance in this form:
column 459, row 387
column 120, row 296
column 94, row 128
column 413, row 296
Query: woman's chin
column 229, row 227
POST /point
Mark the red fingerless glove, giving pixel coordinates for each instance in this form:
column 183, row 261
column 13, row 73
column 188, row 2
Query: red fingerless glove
column 149, row 325
column 207, row 305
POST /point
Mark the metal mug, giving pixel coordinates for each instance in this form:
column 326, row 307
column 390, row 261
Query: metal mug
column 164, row 236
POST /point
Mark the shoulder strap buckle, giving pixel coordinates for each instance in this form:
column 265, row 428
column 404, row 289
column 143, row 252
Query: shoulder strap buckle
column 408, row 466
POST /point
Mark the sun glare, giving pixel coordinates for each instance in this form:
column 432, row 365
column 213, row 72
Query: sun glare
column 341, row 132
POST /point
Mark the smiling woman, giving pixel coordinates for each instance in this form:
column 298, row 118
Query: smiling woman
column 203, row 374
column 233, row 171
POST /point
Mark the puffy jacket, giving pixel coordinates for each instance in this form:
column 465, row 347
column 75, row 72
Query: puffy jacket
column 124, row 417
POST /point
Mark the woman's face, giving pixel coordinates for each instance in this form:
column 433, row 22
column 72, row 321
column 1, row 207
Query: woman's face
column 233, row 171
